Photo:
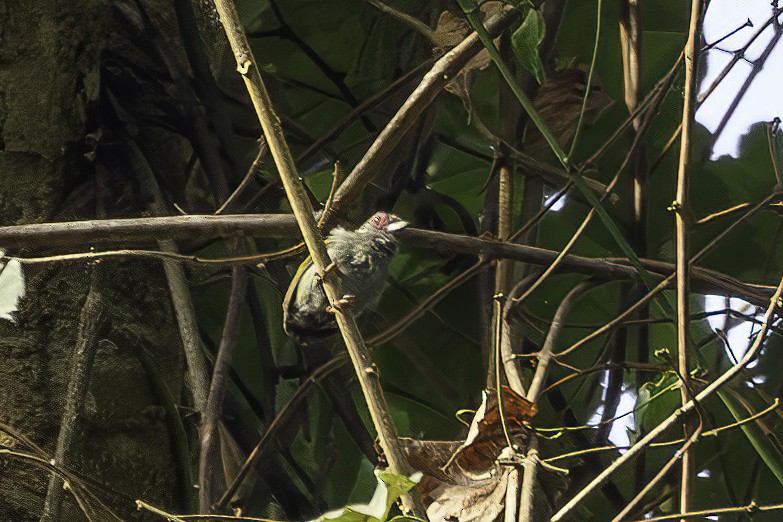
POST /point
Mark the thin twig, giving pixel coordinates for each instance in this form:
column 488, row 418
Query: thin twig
column 682, row 217
column 758, row 65
column 589, row 83
column 748, row 23
column 575, row 175
column 529, row 478
column 251, row 171
column 210, row 444
column 654, row 103
column 663, row 284
column 366, row 371
column 602, row 367
column 365, row 105
column 141, row 505
column 722, row 213
column 749, row 509
column 739, row 55
column 680, row 454
column 281, row 420
column 749, row 355
column 711, row 433
column 410, row 21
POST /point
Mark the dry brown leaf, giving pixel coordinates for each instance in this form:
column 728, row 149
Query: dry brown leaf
column 462, row 479
column 451, row 29
column 559, row 101
column 486, row 438
column 481, row 501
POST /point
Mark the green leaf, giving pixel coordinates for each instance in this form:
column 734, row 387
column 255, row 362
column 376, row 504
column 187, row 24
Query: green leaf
column 389, row 488
column 525, row 41
column 656, row 401
column 769, row 453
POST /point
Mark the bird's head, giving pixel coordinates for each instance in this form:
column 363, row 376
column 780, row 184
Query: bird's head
column 385, row 222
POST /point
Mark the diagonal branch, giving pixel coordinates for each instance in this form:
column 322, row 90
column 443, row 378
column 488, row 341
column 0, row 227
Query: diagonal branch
column 545, row 356
column 758, row 65
column 441, row 74
column 78, row 384
column 366, row 371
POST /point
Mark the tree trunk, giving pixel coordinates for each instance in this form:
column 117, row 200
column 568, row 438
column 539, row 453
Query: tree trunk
column 127, row 442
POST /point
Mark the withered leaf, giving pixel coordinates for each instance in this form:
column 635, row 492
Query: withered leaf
column 451, row 29
column 486, row 438
column 462, row 479
column 482, row 501
column 559, row 102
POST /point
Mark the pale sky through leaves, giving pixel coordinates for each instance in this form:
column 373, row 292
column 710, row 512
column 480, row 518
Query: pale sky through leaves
column 764, row 99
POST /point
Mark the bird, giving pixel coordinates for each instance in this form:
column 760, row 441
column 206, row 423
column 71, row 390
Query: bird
column 361, row 257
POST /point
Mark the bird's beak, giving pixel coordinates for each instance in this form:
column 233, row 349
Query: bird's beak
column 397, row 225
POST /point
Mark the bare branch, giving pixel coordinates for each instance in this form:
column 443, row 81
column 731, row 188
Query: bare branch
column 545, row 356
column 758, row 65
column 210, row 445
column 366, row 371
column 682, row 215
column 81, row 368
column 283, row 225
column 749, row 509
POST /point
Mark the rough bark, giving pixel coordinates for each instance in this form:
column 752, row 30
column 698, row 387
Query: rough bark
column 50, row 76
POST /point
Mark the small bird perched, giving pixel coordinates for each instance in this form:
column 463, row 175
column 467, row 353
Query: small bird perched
column 361, row 257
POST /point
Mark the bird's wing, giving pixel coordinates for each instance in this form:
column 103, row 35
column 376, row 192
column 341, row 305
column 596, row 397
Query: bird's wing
column 291, row 292
column 331, row 244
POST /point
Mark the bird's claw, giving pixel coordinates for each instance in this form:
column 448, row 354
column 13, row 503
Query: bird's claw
column 346, row 302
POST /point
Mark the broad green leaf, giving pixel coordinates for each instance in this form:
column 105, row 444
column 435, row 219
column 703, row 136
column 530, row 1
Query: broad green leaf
column 525, row 41
column 769, row 453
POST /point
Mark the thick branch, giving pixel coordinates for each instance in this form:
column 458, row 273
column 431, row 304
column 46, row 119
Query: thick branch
column 146, row 230
column 150, row 230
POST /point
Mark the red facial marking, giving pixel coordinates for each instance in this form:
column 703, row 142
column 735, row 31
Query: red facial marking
column 380, row 220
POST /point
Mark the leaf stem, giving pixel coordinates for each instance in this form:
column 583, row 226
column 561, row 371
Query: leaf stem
column 589, row 79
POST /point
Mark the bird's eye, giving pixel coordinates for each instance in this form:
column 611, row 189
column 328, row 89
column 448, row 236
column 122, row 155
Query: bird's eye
column 377, row 219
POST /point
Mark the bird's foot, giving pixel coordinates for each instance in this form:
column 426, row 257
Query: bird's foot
column 346, row 302
column 332, row 266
